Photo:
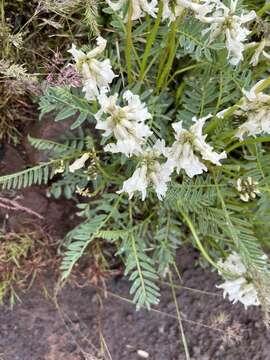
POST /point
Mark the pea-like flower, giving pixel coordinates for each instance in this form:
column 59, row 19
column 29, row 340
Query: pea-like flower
column 190, row 148
column 79, row 163
column 238, row 287
column 149, row 173
column 126, row 124
column 224, row 20
column 255, row 106
column 139, row 7
column 97, row 75
column 173, row 9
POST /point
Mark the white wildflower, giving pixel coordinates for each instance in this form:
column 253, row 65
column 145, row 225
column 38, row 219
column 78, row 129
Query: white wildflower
column 150, row 172
column 239, row 288
column 255, row 106
column 233, row 264
column 172, row 11
column 259, row 51
column 96, row 74
column 126, row 124
column 224, row 20
column 139, row 7
column 247, row 189
column 189, row 147
column 79, row 163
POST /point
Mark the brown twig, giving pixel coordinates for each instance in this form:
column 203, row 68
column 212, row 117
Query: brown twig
column 15, row 206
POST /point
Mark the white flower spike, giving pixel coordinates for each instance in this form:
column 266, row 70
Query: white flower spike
column 190, row 147
column 255, row 106
column 150, row 172
column 224, row 20
column 97, row 75
column 139, row 7
column 239, row 288
column 126, row 124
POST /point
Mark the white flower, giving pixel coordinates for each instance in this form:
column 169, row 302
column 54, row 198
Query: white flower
column 126, row 124
column 172, row 11
column 96, row 74
column 139, row 7
column 150, row 172
column 79, row 163
column 259, row 51
column 189, row 145
column 255, row 106
column 239, row 288
column 224, row 20
column 233, row 264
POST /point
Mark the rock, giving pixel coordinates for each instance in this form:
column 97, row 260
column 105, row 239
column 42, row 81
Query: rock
column 48, row 129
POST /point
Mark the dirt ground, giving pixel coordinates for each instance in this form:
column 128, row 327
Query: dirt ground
column 93, row 324
column 84, row 324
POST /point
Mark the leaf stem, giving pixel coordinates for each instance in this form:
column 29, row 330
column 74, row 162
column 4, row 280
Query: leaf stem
column 150, row 41
column 128, row 48
column 197, row 240
column 179, row 318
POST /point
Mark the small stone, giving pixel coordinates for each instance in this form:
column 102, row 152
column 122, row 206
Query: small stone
column 143, row 354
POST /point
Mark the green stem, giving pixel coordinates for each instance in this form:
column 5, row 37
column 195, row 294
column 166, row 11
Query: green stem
column 263, row 10
column 150, row 41
column 128, row 49
column 187, row 68
column 172, row 50
column 179, row 318
column 248, row 142
column 197, row 240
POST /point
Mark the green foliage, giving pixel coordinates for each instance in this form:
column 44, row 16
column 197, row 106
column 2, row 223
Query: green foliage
column 66, row 103
column 180, row 72
column 80, row 238
column 142, row 273
column 36, row 175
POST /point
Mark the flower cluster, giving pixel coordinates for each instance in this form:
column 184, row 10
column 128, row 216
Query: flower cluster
column 97, row 75
column 190, row 146
column 127, row 127
column 247, row 189
column 150, row 172
column 255, row 106
column 240, row 288
column 126, row 124
column 139, row 7
column 221, row 18
column 225, row 20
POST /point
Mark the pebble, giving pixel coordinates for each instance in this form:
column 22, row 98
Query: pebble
column 143, row 354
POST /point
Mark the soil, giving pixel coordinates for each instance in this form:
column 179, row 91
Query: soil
column 86, row 324
column 99, row 323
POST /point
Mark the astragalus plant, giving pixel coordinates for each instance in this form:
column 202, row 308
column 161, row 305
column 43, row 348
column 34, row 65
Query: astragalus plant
column 169, row 142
